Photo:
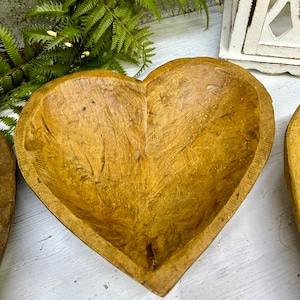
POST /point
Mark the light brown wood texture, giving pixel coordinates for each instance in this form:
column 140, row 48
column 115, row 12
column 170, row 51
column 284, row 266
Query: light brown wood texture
column 147, row 172
column 7, row 190
column 292, row 163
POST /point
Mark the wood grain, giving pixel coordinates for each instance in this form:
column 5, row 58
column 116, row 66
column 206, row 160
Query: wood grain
column 147, row 172
column 291, row 163
column 7, row 190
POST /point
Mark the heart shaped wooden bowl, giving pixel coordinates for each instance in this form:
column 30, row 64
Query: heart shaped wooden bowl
column 292, row 163
column 147, row 172
column 7, row 190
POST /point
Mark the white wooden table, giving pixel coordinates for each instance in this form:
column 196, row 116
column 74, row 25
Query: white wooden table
column 256, row 255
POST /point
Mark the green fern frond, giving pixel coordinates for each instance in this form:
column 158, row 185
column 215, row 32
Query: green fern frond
column 59, row 41
column 21, row 93
column 17, row 109
column 6, row 83
column 129, row 43
column 106, row 62
column 105, row 23
column 36, row 35
column 50, row 69
column 70, row 31
column 127, row 36
column 60, row 55
column 124, row 31
column 184, row 6
column 4, row 66
column 85, row 7
column 147, row 53
column 142, row 34
column 152, row 6
column 100, row 62
column 11, row 46
column 205, row 8
column 29, row 50
column 53, row 11
column 123, row 12
column 144, row 51
column 126, row 58
column 120, row 34
column 134, row 20
column 8, row 121
column 94, row 17
column 18, row 77
column 190, row 5
column 116, row 66
column 69, row 3
column 103, row 45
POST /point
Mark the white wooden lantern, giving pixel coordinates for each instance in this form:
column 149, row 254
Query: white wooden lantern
column 262, row 35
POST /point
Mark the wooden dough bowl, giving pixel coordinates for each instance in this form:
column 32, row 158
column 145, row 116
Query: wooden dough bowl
column 7, row 190
column 292, row 163
column 147, row 172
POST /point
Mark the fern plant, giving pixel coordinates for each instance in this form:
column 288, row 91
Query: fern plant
column 85, row 34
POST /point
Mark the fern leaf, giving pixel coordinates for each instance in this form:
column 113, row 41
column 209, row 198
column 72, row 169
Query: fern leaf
column 123, row 12
column 85, row 7
column 21, row 93
column 126, row 58
column 10, row 124
column 149, row 51
column 69, row 3
column 53, row 11
column 9, row 41
column 205, row 7
column 54, row 70
column 181, row 4
column 70, row 31
column 6, row 83
column 18, row 77
column 146, row 53
column 102, row 45
column 29, row 51
column 16, row 109
column 127, row 44
column 4, row 66
column 142, row 34
column 99, row 63
column 37, row 67
column 26, row 69
column 141, row 41
column 60, row 55
column 151, row 5
column 94, row 17
column 103, row 26
column 116, row 66
column 8, row 121
column 54, row 43
column 120, row 34
column 36, row 35
column 134, row 20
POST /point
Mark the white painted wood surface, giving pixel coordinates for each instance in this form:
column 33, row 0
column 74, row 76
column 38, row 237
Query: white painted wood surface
column 256, row 255
column 256, row 45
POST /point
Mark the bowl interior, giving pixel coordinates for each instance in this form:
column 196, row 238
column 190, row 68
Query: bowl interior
column 146, row 166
